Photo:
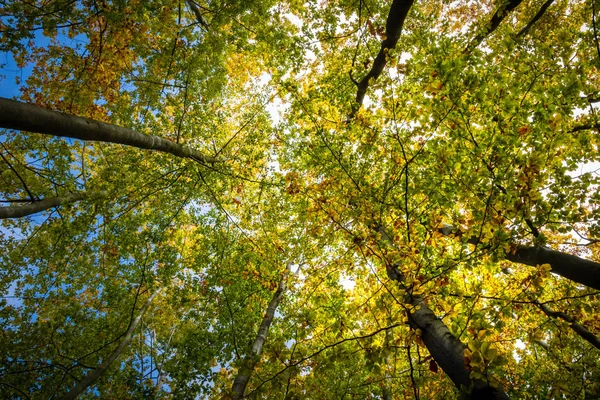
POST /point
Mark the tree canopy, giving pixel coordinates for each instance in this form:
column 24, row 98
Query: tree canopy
column 300, row 199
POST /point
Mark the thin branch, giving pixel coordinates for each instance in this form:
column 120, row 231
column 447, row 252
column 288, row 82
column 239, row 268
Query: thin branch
column 31, row 196
column 329, row 346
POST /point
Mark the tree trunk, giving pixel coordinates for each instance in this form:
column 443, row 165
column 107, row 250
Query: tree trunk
column 28, row 117
column 448, row 352
column 243, row 377
column 571, row 267
column 97, row 372
column 574, row 268
column 577, row 328
column 445, row 348
column 393, row 29
column 42, row 205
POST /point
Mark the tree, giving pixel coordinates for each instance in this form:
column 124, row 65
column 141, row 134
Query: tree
column 360, row 199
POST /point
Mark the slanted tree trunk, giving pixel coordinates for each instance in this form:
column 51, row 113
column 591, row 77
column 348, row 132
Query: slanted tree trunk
column 574, row 268
column 28, row 117
column 42, row 205
column 393, row 29
column 445, row 348
column 577, row 328
column 248, row 363
column 566, row 265
column 90, row 378
column 501, row 13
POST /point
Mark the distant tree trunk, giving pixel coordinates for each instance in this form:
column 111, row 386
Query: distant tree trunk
column 537, row 16
column 445, row 348
column 28, row 117
column 386, row 391
column 243, row 377
column 97, row 372
column 42, row 205
column 501, row 13
column 577, row 328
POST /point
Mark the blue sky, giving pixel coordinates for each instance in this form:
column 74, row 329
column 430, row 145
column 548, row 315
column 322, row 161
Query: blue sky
column 10, row 71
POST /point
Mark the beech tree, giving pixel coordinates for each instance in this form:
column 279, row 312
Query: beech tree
column 363, row 199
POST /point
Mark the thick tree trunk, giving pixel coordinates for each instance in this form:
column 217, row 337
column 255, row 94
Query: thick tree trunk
column 245, row 372
column 42, row 205
column 445, row 348
column 97, row 372
column 574, row 268
column 571, row 267
column 31, row 118
column 393, row 29
column 577, row 328
column 448, row 352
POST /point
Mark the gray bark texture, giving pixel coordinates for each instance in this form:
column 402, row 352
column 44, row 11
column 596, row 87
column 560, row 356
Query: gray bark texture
column 574, row 268
column 38, row 206
column 445, row 348
column 448, row 352
column 90, row 378
column 28, row 117
column 248, row 363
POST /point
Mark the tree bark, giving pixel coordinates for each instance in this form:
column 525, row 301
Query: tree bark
column 577, row 328
column 38, row 206
column 197, row 13
column 245, row 372
column 537, row 16
column 90, row 378
column 393, row 29
column 448, row 352
column 574, row 268
column 444, row 347
column 494, row 23
column 28, row 117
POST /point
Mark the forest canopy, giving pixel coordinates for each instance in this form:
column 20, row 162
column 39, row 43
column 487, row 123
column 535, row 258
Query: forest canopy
column 311, row 199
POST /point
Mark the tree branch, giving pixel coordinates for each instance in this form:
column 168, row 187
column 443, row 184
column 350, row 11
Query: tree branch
column 494, row 23
column 197, row 13
column 574, row 268
column 28, row 117
column 537, row 16
column 96, row 373
column 393, row 29
column 45, row 204
column 577, row 328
